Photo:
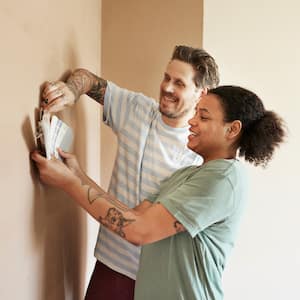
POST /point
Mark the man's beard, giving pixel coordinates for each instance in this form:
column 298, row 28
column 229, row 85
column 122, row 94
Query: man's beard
column 173, row 114
column 168, row 114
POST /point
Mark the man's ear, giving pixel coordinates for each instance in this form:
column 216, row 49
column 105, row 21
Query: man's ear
column 204, row 92
column 234, row 129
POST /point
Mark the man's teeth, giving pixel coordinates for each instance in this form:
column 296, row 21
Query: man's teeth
column 170, row 99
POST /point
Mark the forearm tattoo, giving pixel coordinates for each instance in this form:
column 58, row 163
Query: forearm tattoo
column 82, row 81
column 98, row 89
column 93, row 196
column 115, row 221
column 114, row 218
column 178, row 226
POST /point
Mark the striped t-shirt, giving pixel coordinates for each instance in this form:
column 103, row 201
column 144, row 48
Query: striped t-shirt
column 148, row 152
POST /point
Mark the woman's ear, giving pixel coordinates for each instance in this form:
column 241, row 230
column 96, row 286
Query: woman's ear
column 234, row 129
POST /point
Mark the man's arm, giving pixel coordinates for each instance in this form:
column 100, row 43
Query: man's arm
column 145, row 224
column 58, row 95
column 82, row 82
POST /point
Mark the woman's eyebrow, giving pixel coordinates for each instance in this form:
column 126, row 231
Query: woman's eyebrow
column 204, row 110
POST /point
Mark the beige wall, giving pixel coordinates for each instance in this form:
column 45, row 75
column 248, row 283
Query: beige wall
column 43, row 234
column 138, row 38
column 256, row 44
column 46, row 240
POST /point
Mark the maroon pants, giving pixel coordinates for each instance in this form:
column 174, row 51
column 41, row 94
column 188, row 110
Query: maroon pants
column 107, row 284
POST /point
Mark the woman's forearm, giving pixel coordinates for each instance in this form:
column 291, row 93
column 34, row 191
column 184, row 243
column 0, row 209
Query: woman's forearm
column 106, row 209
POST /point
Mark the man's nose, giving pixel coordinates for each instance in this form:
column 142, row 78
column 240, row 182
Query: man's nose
column 169, row 87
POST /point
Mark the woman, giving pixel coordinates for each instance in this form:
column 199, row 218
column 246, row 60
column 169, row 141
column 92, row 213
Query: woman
column 189, row 228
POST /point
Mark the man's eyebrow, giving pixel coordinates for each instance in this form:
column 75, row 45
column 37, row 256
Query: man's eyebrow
column 174, row 78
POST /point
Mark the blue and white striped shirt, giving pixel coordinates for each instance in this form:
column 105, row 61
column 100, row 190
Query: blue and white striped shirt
column 148, row 152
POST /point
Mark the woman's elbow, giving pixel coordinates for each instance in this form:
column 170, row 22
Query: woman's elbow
column 137, row 238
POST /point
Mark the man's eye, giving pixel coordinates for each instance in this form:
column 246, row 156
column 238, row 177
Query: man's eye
column 179, row 83
column 166, row 78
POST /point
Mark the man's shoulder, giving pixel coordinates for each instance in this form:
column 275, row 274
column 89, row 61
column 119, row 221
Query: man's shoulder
column 114, row 88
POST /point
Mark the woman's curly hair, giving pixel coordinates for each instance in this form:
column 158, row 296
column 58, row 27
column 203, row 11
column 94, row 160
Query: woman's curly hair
column 262, row 130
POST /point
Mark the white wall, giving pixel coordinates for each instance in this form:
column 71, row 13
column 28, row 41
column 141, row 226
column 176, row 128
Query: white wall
column 256, row 44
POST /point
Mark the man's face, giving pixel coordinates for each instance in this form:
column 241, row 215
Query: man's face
column 178, row 92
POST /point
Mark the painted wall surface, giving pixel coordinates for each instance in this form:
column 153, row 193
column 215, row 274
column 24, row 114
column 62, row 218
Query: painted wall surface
column 138, row 38
column 43, row 234
column 256, row 44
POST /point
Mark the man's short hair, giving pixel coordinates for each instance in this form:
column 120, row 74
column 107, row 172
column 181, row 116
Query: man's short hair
column 206, row 69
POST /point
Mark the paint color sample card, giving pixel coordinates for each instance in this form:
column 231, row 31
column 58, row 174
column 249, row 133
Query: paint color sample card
column 52, row 134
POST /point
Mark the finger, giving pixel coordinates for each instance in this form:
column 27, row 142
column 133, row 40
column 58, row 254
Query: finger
column 37, row 157
column 54, row 106
column 53, row 90
column 64, row 154
column 49, row 87
column 54, row 94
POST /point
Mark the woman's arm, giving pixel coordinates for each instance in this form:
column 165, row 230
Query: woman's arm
column 142, row 225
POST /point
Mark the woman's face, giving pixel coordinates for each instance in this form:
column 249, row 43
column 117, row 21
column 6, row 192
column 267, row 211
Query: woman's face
column 208, row 129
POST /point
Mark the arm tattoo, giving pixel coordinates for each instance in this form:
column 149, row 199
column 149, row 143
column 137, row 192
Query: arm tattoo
column 82, row 81
column 98, row 89
column 115, row 221
column 93, row 195
column 178, row 226
column 92, row 198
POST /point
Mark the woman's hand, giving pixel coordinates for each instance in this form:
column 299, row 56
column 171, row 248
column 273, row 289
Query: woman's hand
column 54, row 172
column 71, row 161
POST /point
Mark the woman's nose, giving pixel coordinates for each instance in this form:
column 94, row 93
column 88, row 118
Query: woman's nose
column 191, row 121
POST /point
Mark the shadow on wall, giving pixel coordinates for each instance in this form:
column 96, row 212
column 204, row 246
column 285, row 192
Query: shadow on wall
column 58, row 224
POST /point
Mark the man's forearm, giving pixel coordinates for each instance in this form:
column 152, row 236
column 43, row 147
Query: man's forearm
column 82, row 81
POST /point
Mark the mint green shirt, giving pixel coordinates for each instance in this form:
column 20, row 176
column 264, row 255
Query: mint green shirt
column 208, row 201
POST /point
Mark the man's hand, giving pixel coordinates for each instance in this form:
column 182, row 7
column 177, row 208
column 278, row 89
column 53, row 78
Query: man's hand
column 57, row 96
column 54, row 172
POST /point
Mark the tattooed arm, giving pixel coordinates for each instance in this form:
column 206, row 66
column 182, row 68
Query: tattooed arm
column 58, row 95
column 141, row 225
column 84, row 82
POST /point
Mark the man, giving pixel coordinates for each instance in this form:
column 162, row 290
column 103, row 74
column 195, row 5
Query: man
column 151, row 146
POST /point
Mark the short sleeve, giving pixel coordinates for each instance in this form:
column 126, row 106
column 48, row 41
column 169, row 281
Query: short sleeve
column 200, row 201
column 122, row 106
column 152, row 197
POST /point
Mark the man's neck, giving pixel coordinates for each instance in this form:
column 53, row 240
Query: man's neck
column 175, row 123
